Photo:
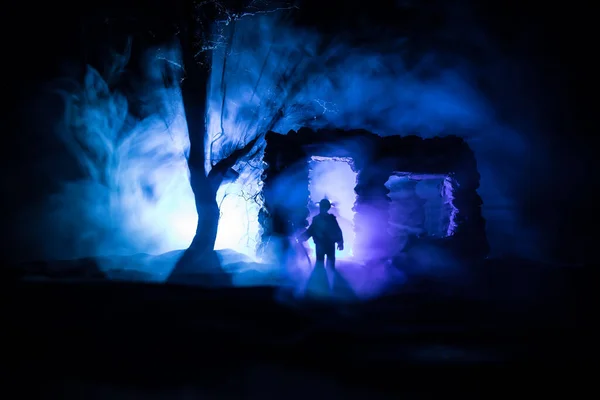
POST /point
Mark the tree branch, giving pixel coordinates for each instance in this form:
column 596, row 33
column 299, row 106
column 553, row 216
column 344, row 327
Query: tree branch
column 218, row 172
column 226, row 16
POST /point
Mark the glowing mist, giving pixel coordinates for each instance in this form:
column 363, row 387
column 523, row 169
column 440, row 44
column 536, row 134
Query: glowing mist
column 137, row 196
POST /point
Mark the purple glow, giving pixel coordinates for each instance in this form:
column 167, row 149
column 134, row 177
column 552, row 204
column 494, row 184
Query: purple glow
column 447, row 192
column 350, row 281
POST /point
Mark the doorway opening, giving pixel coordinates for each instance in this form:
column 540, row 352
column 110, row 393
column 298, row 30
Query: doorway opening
column 333, row 178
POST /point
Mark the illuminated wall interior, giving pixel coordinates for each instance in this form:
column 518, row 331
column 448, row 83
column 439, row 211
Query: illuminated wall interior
column 419, row 206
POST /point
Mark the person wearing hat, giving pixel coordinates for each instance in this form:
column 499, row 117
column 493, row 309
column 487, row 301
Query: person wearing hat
column 326, row 232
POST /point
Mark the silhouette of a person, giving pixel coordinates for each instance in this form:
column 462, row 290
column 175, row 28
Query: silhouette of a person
column 326, row 232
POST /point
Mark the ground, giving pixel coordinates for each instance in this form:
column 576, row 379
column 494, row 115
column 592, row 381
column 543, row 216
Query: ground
column 99, row 338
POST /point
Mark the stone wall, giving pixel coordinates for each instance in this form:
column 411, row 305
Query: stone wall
column 375, row 159
column 372, row 214
column 284, row 212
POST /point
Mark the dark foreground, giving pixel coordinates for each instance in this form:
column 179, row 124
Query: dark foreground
column 135, row 340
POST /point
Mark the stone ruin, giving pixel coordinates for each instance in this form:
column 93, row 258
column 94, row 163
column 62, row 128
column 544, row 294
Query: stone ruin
column 374, row 158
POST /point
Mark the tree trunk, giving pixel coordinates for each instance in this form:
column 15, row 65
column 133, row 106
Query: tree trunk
column 199, row 264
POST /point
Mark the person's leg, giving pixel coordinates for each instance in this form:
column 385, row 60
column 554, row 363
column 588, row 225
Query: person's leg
column 331, row 257
column 320, row 256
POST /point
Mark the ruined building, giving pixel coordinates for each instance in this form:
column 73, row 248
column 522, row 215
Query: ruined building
column 386, row 213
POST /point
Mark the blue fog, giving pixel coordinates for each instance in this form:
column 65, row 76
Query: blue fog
column 137, row 198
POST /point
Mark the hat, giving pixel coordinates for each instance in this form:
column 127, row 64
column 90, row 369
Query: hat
column 325, row 204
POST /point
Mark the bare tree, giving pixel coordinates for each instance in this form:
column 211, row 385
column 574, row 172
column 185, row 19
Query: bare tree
column 198, row 37
column 200, row 26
